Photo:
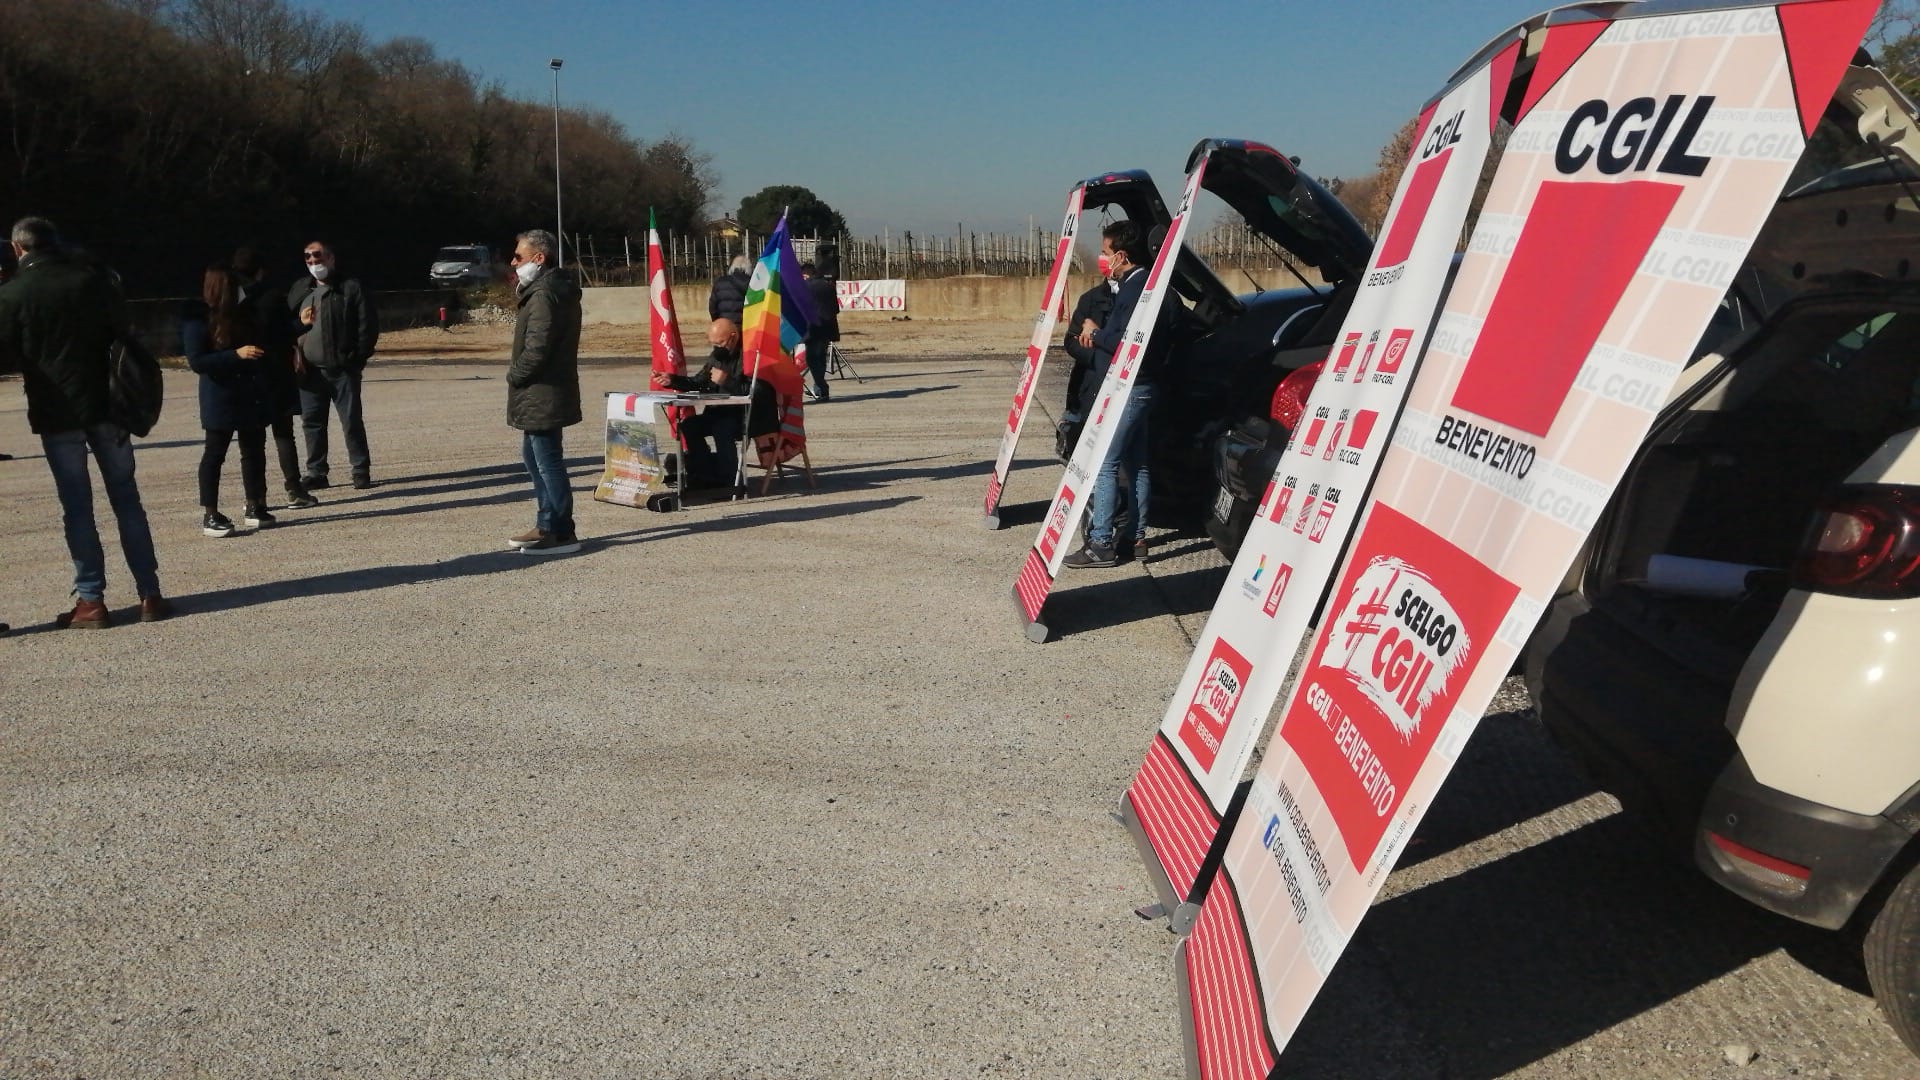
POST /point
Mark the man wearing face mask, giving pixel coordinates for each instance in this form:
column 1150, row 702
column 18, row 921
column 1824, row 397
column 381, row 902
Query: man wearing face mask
column 543, row 388
column 1125, row 247
column 338, row 330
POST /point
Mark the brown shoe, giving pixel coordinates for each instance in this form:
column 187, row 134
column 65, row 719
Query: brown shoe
column 155, row 608
column 525, row 539
column 86, row 615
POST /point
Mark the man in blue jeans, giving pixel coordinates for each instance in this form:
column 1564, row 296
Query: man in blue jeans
column 1125, row 248
column 58, row 320
column 543, row 388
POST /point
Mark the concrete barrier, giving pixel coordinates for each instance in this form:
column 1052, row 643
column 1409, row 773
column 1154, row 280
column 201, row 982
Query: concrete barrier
column 969, row 297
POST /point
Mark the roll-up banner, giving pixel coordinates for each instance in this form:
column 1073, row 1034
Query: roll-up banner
column 1050, row 302
column 1643, row 146
column 1177, row 803
column 1061, row 527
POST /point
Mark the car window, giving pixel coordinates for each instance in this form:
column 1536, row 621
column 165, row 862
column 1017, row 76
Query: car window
column 458, row 254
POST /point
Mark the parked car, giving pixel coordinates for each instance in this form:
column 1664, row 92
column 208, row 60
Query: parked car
column 1736, row 653
column 460, row 265
column 1233, row 351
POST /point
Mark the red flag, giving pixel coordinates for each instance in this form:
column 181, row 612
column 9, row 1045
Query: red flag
column 669, row 355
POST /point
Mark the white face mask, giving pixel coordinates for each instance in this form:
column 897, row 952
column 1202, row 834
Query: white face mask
column 525, row 271
column 318, row 270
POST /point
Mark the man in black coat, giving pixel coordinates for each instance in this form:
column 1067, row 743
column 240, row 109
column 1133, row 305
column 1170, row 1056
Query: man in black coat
column 543, row 388
column 826, row 326
column 1089, row 315
column 59, row 319
column 718, row 466
column 338, row 331
column 1125, row 246
column 728, row 298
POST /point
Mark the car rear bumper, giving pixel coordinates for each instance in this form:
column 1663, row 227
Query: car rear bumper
column 1815, row 863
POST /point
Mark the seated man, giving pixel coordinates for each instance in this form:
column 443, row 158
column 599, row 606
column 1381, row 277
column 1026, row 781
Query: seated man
column 715, row 467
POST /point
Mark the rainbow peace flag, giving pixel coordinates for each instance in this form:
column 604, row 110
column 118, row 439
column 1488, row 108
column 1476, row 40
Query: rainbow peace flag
column 773, row 334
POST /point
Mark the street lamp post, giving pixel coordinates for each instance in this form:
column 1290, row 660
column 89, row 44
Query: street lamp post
column 560, row 232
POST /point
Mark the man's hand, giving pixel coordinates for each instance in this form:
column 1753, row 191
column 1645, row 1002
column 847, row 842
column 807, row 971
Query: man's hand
column 250, row 352
column 1087, row 328
column 306, row 315
column 717, row 377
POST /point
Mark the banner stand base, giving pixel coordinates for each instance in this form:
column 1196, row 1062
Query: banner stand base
column 1184, row 916
column 991, row 522
column 1036, row 630
column 1169, row 902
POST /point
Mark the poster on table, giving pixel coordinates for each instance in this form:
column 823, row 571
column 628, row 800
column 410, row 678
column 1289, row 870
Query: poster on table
column 1644, row 148
column 634, row 469
column 872, row 294
column 1178, row 801
column 1043, row 323
column 1061, row 526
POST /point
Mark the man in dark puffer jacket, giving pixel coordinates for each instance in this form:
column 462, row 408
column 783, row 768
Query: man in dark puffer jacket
column 58, row 320
column 543, row 388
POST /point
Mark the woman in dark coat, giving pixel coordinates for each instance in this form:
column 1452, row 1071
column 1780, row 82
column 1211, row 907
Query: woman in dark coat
column 223, row 344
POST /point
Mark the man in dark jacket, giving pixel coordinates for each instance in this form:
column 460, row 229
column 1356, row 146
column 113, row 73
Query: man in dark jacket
column 718, row 466
column 338, row 330
column 1125, row 246
column 543, row 388
column 58, row 320
column 1089, row 315
column 826, row 327
column 728, row 298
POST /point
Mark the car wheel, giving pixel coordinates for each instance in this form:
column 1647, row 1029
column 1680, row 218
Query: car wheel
column 1892, row 954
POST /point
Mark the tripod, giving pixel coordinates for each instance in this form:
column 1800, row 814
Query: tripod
column 837, row 363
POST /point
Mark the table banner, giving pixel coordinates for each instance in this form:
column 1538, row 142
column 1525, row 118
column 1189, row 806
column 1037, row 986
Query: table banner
column 1043, row 323
column 1644, row 146
column 634, row 468
column 1177, row 803
column 1060, row 529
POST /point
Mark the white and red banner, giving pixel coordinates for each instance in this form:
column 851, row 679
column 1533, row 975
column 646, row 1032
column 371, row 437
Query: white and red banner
column 1178, row 801
column 1050, row 306
column 1646, row 148
column 872, row 294
column 1061, row 527
column 669, row 354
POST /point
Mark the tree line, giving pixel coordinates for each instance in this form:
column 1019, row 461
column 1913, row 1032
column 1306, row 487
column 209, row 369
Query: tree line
column 161, row 134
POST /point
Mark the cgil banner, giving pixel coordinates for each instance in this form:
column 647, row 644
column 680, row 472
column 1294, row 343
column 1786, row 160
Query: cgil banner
column 1060, row 528
column 1180, row 798
column 876, row 294
column 1641, row 145
column 1051, row 302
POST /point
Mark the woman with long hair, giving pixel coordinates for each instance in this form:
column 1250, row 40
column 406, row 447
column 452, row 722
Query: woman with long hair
column 223, row 345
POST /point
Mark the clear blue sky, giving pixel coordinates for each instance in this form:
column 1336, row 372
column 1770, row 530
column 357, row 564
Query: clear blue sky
column 922, row 115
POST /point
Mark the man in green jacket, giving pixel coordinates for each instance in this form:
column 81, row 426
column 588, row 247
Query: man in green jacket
column 58, row 320
column 543, row 388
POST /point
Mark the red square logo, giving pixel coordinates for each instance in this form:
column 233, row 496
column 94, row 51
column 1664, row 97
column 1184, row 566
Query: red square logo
column 1214, row 701
column 1400, row 639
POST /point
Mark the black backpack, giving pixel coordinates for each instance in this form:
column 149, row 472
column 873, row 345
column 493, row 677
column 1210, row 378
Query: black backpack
column 134, row 388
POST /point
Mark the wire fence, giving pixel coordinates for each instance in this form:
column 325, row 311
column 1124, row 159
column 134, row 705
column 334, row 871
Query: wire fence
column 1227, row 245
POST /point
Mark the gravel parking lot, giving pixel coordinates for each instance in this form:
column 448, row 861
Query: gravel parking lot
column 765, row 789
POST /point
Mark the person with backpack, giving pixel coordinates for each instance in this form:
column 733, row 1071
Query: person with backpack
column 59, row 319
column 224, row 347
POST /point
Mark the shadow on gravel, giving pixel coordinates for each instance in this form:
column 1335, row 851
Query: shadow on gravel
column 905, row 392
column 1510, row 962
column 499, row 561
column 839, row 381
column 1128, row 598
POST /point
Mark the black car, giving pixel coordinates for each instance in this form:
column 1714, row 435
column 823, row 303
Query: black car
column 1233, row 351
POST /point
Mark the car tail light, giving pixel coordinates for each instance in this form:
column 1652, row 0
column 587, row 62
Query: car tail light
column 1865, row 542
column 1764, row 871
column 1290, row 397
